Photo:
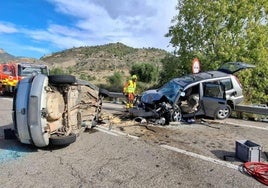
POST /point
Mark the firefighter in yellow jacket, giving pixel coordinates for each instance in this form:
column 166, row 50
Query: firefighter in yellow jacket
column 129, row 91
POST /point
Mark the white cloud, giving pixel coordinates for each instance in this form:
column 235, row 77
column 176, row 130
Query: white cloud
column 59, row 40
column 35, row 49
column 7, row 28
column 130, row 8
column 77, row 8
column 137, row 23
column 142, row 23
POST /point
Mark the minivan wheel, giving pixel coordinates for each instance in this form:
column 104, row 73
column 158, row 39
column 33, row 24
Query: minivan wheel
column 176, row 115
column 223, row 113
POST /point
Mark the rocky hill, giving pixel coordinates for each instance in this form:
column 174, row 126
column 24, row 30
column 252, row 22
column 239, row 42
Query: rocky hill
column 102, row 61
column 96, row 62
column 4, row 56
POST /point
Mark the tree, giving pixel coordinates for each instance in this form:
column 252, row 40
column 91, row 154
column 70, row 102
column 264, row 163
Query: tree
column 221, row 31
column 116, row 82
column 146, row 72
column 172, row 68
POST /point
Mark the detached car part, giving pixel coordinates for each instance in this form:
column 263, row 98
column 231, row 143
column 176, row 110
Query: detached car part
column 47, row 109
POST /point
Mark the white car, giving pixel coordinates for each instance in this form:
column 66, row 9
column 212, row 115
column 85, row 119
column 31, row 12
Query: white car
column 47, row 109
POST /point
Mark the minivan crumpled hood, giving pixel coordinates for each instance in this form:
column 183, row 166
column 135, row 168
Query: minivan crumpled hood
column 150, row 96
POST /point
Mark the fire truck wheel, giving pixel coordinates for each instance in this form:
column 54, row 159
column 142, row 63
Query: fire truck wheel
column 61, row 79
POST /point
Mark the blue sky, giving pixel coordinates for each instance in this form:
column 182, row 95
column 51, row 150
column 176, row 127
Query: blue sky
column 34, row 28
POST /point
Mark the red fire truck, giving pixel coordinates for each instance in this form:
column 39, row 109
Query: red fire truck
column 12, row 72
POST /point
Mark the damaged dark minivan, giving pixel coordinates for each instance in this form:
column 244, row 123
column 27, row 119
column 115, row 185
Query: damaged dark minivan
column 213, row 94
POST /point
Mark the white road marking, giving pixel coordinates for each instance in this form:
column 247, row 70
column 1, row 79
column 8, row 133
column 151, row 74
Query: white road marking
column 195, row 155
column 249, row 126
column 105, row 131
column 114, row 132
column 209, row 159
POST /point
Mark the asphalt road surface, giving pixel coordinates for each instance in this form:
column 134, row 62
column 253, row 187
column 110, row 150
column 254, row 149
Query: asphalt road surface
column 118, row 155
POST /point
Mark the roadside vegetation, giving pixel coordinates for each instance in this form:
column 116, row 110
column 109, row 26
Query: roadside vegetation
column 221, row 32
column 224, row 31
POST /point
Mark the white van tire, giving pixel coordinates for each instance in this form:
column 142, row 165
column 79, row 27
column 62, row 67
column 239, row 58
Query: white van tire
column 62, row 140
column 61, row 79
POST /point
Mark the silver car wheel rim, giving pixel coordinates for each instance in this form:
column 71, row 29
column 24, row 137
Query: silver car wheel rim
column 223, row 113
column 177, row 116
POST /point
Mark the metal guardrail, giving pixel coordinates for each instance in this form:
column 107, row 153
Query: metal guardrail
column 116, row 95
column 254, row 109
column 104, row 92
column 86, row 83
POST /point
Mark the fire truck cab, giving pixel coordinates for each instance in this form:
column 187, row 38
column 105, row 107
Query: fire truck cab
column 11, row 73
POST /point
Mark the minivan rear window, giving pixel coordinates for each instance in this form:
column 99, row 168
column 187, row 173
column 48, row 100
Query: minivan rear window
column 227, row 83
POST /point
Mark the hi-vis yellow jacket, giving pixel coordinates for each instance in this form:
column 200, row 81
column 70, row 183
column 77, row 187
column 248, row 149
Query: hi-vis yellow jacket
column 129, row 87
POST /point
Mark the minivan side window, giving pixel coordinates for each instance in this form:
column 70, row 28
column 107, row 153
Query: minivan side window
column 227, row 83
column 213, row 90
